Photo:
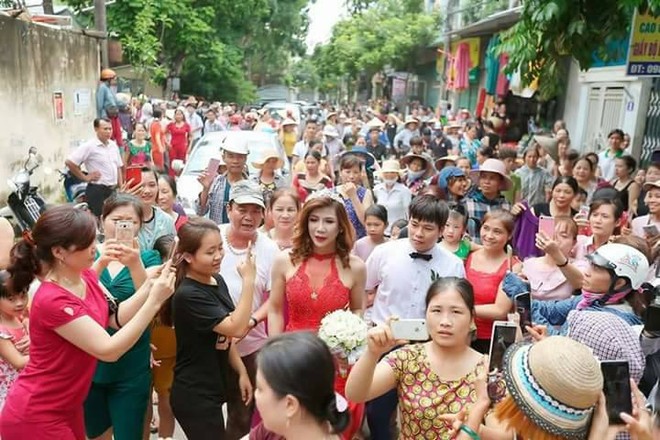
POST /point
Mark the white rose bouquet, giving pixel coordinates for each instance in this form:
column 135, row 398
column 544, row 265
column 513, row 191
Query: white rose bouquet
column 345, row 334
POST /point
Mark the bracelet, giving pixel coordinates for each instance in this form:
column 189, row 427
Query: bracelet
column 564, row 264
column 473, row 435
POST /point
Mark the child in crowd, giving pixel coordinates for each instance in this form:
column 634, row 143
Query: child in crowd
column 396, row 228
column 536, row 181
column 376, row 223
column 509, row 156
column 453, row 236
column 13, row 335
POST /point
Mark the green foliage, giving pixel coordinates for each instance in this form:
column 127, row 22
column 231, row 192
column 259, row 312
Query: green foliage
column 385, row 33
column 550, row 30
column 215, row 46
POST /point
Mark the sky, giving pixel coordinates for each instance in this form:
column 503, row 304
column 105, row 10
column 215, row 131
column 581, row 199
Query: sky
column 323, row 14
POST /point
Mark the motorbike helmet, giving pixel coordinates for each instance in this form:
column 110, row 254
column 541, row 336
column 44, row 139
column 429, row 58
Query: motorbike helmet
column 107, row 74
column 623, row 261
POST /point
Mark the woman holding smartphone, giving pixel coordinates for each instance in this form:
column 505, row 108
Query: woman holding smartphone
column 117, row 401
column 486, row 267
column 648, row 226
column 206, row 323
column 419, row 371
column 68, row 320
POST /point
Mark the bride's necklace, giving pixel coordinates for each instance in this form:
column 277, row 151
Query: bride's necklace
column 320, row 257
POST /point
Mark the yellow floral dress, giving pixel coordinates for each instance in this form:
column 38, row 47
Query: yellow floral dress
column 423, row 396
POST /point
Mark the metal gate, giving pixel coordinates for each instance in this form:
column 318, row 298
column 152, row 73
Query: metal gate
column 651, row 140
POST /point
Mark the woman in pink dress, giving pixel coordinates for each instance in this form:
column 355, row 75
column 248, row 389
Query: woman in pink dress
column 179, row 136
column 318, row 276
column 68, row 318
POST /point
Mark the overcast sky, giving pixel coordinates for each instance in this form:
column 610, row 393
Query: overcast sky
column 323, row 15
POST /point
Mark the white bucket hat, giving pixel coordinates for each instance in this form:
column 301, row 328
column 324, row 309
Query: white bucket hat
column 492, row 166
column 238, row 146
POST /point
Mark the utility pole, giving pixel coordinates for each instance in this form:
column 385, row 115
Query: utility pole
column 102, row 26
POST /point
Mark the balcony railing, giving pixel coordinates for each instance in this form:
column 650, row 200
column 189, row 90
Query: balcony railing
column 462, row 13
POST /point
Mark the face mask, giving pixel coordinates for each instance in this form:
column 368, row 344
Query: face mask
column 390, row 181
column 414, row 175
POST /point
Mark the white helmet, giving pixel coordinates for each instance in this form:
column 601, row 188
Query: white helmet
column 625, row 261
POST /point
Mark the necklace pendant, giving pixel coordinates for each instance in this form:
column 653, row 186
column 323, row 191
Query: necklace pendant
column 314, row 295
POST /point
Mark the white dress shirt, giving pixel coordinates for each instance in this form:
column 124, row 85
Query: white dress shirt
column 402, row 282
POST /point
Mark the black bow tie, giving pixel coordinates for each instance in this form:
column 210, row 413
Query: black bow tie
column 425, row 257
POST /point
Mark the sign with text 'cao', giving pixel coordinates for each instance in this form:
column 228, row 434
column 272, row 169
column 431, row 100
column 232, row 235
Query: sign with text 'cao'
column 644, row 52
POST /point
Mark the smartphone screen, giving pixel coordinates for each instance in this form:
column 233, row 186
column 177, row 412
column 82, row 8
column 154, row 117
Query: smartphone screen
column 134, row 174
column 504, row 335
column 650, row 230
column 547, row 226
column 616, row 386
column 523, row 304
column 652, row 318
column 212, row 168
column 624, row 218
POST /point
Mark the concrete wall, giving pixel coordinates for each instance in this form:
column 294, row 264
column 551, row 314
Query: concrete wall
column 35, row 63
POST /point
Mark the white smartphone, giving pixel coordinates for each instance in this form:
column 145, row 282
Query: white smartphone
column 503, row 336
column 410, row 329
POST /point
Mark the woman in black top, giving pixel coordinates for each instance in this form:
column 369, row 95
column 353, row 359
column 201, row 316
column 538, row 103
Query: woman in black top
column 205, row 321
column 625, row 184
column 564, row 191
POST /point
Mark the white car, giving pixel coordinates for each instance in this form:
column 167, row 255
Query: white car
column 210, row 147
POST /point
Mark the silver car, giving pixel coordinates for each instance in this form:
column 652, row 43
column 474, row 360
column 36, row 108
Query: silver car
column 209, row 147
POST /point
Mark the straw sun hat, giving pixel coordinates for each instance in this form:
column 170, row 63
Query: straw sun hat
column 556, row 383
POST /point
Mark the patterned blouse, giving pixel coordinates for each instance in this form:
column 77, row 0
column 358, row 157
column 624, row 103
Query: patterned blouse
column 423, row 396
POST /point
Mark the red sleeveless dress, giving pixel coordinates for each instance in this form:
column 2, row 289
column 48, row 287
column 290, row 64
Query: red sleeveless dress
column 307, row 307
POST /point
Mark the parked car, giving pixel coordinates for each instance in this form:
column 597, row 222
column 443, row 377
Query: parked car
column 209, row 147
column 279, row 108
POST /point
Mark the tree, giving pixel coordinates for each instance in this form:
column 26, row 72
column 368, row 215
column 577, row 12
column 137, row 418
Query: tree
column 211, row 45
column 551, row 30
column 386, row 33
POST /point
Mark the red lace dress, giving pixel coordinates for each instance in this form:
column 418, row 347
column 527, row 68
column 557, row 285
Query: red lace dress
column 306, row 308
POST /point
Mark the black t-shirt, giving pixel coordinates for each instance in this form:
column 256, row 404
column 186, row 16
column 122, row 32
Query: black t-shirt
column 440, row 147
column 543, row 209
column 202, row 356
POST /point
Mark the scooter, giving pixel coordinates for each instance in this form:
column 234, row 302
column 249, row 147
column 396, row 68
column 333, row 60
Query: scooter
column 24, row 204
column 74, row 188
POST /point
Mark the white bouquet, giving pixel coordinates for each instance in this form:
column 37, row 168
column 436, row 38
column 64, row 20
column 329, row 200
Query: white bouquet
column 345, row 334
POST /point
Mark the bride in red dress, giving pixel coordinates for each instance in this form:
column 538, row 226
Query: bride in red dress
column 318, row 276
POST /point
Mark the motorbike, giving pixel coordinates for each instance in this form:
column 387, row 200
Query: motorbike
column 24, row 204
column 74, row 188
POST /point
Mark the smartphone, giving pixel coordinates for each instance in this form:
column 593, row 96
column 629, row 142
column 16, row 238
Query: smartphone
column 547, row 226
column 175, row 245
column 410, row 329
column 124, row 232
column 503, row 336
column 652, row 319
column 212, row 167
column 650, row 230
column 624, row 218
column 134, row 174
column 523, row 303
column 616, row 386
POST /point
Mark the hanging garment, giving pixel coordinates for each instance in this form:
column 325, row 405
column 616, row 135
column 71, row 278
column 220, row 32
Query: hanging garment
column 524, row 234
column 502, row 87
column 492, row 66
column 462, row 65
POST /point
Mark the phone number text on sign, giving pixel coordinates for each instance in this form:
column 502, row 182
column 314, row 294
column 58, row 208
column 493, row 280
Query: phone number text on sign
column 644, row 49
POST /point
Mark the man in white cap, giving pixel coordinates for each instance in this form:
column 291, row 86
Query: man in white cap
column 214, row 197
column 402, row 139
column 246, row 213
column 333, row 145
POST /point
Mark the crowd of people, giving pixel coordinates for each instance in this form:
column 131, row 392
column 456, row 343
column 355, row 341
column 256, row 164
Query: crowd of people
column 108, row 311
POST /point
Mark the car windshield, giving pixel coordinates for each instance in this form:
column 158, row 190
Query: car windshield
column 210, row 148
